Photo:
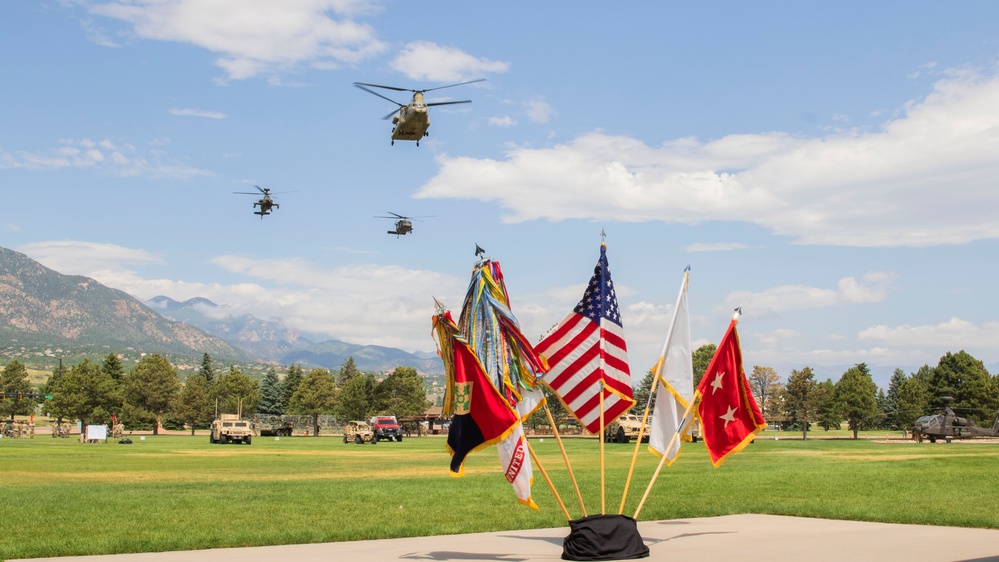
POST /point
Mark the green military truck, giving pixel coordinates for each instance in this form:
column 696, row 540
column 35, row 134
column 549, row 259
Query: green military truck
column 266, row 425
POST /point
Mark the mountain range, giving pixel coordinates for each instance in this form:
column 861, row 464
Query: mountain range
column 272, row 341
column 42, row 309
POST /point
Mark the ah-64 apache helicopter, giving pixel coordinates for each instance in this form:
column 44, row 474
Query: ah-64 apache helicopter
column 413, row 119
column 949, row 425
column 403, row 226
column 266, row 203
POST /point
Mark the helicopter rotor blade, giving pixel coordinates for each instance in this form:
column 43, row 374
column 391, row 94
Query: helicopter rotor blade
column 453, row 85
column 263, row 190
column 393, row 112
column 374, row 93
column 362, row 84
column 448, row 102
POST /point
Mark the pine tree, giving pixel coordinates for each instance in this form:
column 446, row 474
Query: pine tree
column 401, row 394
column 207, row 369
column 702, row 358
column 964, row 378
column 150, row 388
column 14, row 381
column 84, row 393
column 898, row 378
column 348, row 370
column 237, row 393
column 829, row 415
column 271, row 395
column 316, row 395
column 355, row 399
column 112, row 366
column 801, row 399
column 913, row 399
column 194, row 405
column 291, row 382
column 856, row 397
column 641, row 394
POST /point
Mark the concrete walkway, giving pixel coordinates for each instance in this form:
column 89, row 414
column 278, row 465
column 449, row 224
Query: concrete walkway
column 740, row 538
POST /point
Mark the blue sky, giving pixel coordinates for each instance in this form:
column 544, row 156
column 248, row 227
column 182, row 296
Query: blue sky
column 829, row 168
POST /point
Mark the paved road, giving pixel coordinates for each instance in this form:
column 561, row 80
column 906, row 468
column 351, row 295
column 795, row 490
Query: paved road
column 742, row 538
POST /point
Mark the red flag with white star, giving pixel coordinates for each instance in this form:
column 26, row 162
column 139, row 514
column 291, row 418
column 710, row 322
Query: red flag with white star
column 729, row 416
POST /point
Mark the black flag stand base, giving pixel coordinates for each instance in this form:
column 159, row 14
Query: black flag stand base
column 604, row 537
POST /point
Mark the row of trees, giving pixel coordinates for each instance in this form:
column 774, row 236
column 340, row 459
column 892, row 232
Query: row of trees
column 855, row 398
column 151, row 393
column 348, row 395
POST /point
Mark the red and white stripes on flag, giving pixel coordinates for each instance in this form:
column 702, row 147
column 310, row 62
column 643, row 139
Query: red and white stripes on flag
column 586, row 352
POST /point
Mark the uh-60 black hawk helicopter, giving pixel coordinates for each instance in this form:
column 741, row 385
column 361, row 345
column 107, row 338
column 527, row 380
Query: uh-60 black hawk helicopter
column 266, row 203
column 411, row 121
column 403, row 225
column 948, row 426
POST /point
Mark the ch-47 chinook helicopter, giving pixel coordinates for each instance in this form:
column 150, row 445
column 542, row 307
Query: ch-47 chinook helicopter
column 403, row 225
column 266, row 203
column 410, row 122
column 949, row 425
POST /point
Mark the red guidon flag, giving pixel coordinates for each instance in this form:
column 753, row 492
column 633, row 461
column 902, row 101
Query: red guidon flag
column 729, row 416
column 480, row 415
column 587, row 354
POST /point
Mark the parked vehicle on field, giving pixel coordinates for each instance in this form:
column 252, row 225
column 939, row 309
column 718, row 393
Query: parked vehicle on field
column 359, row 432
column 624, row 429
column 271, row 426
column 385, row 427
column 229, row 428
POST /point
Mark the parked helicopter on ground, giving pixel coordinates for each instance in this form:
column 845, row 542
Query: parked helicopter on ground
column 949, row 425
column 410, row 122
column 403, row 225
column 266, row 203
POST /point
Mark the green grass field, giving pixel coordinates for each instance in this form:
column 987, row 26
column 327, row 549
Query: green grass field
column 59, row 497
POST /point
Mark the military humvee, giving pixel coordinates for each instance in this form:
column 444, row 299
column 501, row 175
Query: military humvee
column 623, row 429
column 359, row 432
column 229, row 428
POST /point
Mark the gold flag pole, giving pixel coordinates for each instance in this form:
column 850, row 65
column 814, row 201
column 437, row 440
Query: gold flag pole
column 662, row 461
column 600, row 436
column 654, row 389
column 565, row 457
column 544, row 473
column 687, row 419
column 641, row 434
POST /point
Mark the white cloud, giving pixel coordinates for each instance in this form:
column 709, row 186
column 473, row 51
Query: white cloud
column 187, row 112
column 83, row 258
column 954, row 334
column 776, row 336
column 504, row 121
column 104, row 155
column 361, row 304
column 97, row 35
column 427, row 61
column 715, row 247
column 254, row 37
column 872, row 287
column 923, row 179
column 538, row 111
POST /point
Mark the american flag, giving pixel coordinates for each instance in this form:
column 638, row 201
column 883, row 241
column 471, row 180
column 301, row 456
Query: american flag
column 586, row 349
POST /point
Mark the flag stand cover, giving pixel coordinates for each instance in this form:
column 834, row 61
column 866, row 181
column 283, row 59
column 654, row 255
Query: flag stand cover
column 604, row 537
